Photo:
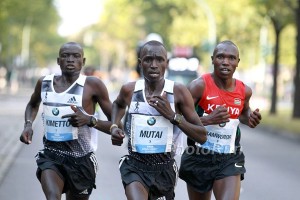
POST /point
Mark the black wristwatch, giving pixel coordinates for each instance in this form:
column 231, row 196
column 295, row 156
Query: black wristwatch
column 177, row 119
column 93, row 121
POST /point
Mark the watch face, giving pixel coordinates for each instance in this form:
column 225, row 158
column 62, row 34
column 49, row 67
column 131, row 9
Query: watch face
column 178, row 118
column 93, row 121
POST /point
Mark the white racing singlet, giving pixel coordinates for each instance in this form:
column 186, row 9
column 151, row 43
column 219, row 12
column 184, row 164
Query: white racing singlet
column 59, row 135
column 151, row 133
column 58, row 104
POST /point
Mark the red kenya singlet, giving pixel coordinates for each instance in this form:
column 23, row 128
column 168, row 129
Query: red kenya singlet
column 213, row 97
column 221, row 138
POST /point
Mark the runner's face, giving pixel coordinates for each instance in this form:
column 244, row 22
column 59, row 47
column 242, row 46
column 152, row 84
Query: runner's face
column 71, row 59
column 153, row 62
column 225, row 60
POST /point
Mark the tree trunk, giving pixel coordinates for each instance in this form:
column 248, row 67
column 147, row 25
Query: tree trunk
column 296, row 109
column 275, row 70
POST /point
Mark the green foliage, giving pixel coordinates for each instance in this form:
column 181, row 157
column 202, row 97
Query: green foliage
column 186, row 23
column 161, row 14
column 125, row 22
column 187, row 31
column 39, row 20
column 238, row 21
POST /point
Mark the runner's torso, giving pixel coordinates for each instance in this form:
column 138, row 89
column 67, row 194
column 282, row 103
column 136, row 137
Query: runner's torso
column 152, row 138
column 222, row 138
column 59, row 135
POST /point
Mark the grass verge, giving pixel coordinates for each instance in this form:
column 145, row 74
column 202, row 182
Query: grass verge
column 282, row 121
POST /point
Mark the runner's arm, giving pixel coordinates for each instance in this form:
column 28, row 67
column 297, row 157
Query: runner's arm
column 118, row 110
column 191, row 125
column 31, row 111
column 249, row 117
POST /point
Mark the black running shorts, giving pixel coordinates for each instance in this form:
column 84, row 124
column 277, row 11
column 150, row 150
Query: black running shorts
column 199, row 169
column 160, row 180
column 79, row 174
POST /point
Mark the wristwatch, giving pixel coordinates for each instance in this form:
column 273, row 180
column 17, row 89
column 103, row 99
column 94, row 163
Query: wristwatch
column 93, row 121
column 177, row 119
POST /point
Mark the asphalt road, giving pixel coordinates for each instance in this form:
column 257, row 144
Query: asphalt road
column 272, row 162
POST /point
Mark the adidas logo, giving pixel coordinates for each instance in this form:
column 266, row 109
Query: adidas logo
column 72, row 100
column 84, row 192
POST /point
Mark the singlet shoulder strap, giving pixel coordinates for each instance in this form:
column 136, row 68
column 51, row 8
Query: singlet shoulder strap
column 169, row 86
column 139, row 85
column 48, row 77
column 81, row 79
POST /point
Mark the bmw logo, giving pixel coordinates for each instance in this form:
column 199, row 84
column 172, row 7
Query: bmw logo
column 55, row 111
column 222, row 124
column 151, row 121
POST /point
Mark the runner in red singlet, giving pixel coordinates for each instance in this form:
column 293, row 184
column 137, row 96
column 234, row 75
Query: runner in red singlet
column 222, row 102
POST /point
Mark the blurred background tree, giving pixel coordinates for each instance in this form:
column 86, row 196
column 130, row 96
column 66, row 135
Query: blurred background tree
column 28, row 37
column 266, row 31
column 280, row 17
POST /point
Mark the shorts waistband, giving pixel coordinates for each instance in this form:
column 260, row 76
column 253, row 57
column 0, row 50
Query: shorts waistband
column 60, row 156
column 157, row 167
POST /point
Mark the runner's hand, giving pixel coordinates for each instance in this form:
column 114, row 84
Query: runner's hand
column 254, row 118
column 78, row 118
column 218, row 116
column 162, row 105
column 26, row 136
column 117, row 136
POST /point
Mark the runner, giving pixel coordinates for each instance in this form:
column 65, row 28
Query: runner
column 67, row 164
column 222, row 102
column 158, row 109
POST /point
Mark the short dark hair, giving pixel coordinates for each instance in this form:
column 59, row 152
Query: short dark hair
column 229, row 42
column 72, row 43
column 153, row 43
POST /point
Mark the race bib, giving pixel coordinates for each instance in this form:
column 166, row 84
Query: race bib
column 221, row 137
column 151, row 134
column 56, row 128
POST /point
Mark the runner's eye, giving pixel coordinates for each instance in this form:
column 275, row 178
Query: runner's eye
column 147, row 60
column 64, row 55
column 232, row 58
column 221, row 57
column 159, row 60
